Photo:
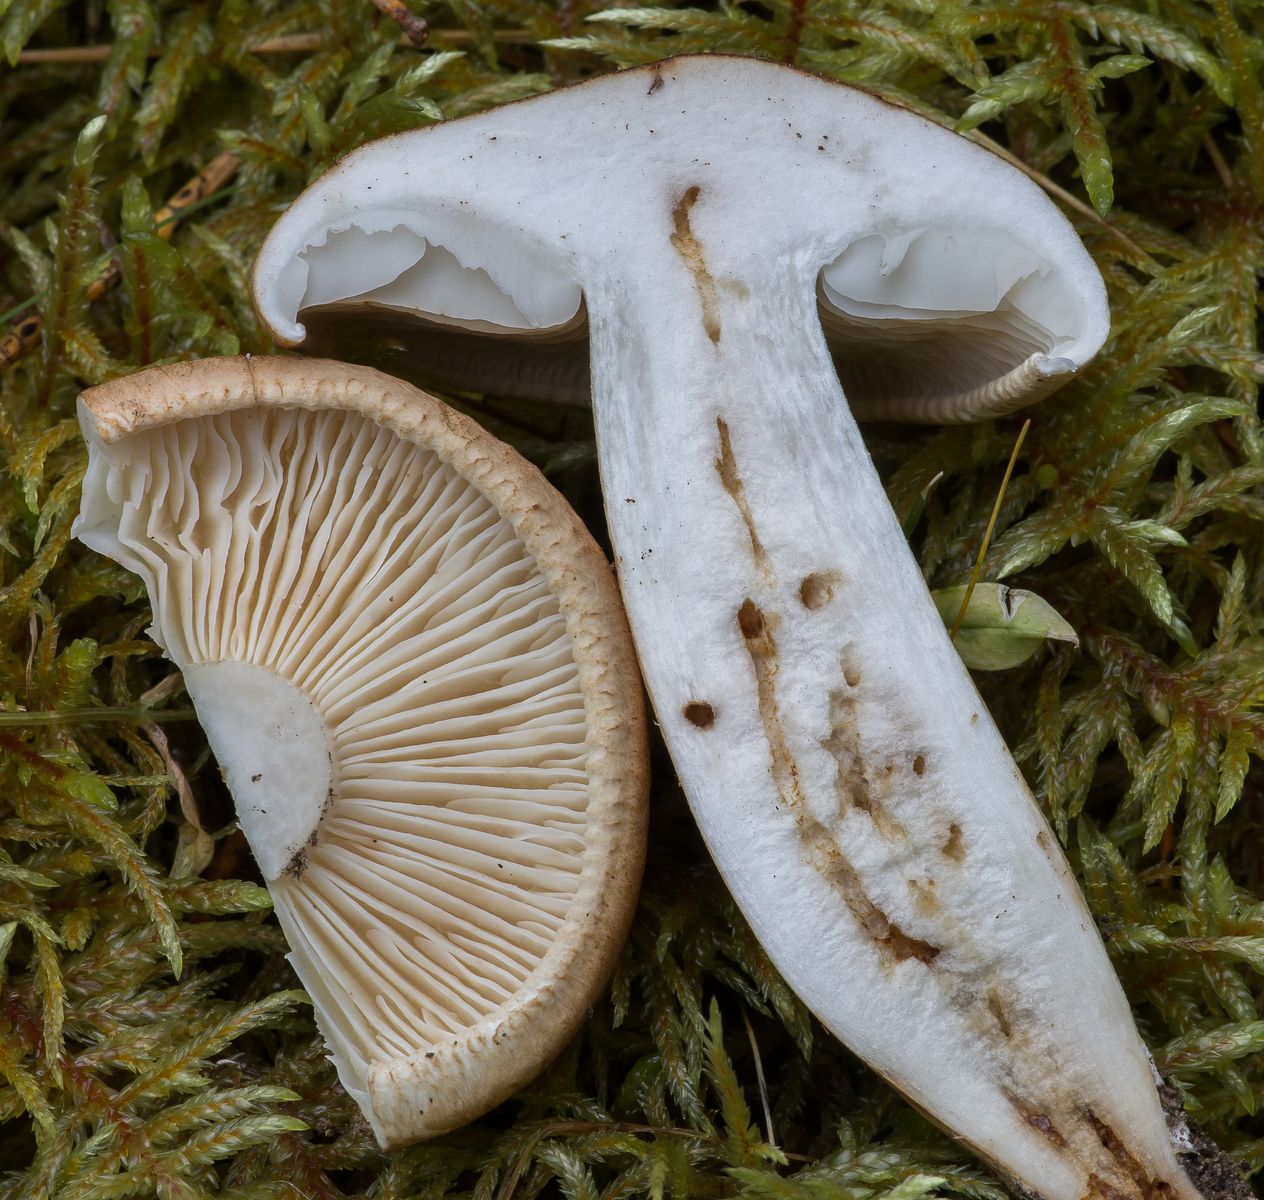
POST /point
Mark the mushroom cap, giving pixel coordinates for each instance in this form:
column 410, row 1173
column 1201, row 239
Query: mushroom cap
column 414, row 668
column 949, row 286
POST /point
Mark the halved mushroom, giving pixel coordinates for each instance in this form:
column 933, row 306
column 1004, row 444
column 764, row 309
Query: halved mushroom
column 743, row 234
column 956, row 301
column 413, row 667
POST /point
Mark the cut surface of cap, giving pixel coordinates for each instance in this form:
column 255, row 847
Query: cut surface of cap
column 412, row 665
column 947, row 285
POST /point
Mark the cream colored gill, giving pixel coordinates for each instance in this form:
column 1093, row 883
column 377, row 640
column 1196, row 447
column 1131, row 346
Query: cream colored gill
column 391, row 692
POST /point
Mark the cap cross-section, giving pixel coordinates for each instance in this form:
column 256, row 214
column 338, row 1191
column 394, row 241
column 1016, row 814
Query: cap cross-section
column 946, row 284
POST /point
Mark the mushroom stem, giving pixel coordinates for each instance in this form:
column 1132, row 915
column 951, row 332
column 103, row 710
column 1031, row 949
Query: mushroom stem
column 275, row 754
column 848, row 779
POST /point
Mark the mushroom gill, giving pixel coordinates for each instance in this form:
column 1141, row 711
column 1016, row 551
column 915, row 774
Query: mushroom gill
column 935, row 324
column 394, row 691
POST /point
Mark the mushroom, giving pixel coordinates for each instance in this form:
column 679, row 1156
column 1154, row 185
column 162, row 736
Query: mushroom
column 412, row 664
column 734, row 237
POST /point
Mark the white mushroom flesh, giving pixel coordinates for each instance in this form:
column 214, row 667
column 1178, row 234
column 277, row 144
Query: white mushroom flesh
column 471, row 278
column 391, row 690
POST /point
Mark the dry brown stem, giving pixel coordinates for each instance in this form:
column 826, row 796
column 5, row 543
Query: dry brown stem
column 416, row 29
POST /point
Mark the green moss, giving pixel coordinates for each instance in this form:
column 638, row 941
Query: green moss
column 150, row 1044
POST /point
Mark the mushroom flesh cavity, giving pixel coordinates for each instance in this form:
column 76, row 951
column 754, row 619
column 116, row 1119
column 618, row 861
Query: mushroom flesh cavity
column 723, row 240
column 411, row 662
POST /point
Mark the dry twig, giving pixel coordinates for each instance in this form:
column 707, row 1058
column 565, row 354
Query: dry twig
column 416, row 29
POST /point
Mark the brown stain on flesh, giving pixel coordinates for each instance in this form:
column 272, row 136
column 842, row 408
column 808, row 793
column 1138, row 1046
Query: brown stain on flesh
column 690, row 250
column 699, row 714
column 996, row 1006
column 819, row 843
column 1060, row 1118
column 924, row 898
column 1055, row 1117
column 1099, row 1189
column 1130, row 1167
column 817, row 590
column 892, row 942
column 750, row 620
column 763, row 655
column 726, row 468
column 853, row 786
column 1037, row 1119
